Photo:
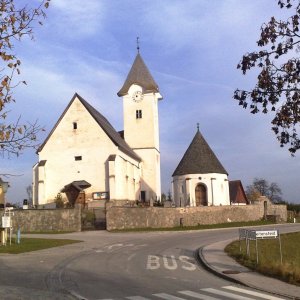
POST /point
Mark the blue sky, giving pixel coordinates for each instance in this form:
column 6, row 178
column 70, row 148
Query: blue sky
column 191, row 47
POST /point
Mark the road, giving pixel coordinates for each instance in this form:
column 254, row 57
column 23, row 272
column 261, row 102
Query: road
column 137, row 266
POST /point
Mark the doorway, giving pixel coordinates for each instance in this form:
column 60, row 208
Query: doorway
column 143, row 196
column 201, row 195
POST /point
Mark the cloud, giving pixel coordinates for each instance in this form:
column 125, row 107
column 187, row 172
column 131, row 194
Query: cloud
column 77, row 18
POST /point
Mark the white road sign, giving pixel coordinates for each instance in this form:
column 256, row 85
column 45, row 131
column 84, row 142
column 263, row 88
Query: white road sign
column 266, row 234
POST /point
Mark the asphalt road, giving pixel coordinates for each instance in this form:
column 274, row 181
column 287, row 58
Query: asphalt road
column 137, row 266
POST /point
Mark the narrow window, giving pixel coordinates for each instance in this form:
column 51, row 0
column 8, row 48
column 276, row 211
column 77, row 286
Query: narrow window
column 78, row 157
column 74, row 125
column 138, row 113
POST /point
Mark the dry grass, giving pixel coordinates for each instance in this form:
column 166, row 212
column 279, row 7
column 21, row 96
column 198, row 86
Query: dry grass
column 269, row 257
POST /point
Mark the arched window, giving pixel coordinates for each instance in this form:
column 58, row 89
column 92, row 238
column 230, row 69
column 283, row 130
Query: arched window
column 201, row 195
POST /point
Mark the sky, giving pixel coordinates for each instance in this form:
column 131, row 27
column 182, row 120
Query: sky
column 191, row 48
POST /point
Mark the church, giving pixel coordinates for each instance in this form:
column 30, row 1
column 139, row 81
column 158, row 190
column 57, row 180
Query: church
column 85, row 159
column 200, row 179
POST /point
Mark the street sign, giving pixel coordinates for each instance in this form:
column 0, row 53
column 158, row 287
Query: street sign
column 267, row 234
column 6, row 222
column 254, row 235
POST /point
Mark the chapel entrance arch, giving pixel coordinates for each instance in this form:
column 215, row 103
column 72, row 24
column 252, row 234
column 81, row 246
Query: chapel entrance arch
column 201, row 194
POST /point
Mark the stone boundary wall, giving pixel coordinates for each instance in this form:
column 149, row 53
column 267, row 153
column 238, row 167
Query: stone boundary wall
column 159, row 217
column 35, row 220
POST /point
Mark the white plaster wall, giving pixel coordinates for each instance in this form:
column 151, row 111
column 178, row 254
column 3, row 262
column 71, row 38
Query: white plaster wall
column 144, row 132
column 124, row 174
column 88, row 141
column 150, row 172
column 217, row 189
column 143, row 136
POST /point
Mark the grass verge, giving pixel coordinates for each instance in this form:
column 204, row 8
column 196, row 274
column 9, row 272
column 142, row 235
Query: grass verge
column 198, row 227
column 269, row 257
column 33, row 244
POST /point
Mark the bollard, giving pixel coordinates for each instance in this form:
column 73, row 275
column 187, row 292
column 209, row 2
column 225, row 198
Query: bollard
column 18, row 236
column 294, row 220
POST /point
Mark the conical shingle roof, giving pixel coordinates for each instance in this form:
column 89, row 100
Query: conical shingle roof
column 139, row 74
column 199, row 159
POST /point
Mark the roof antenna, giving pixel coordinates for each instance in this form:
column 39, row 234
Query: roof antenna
column 138, row 44
column 198, row 126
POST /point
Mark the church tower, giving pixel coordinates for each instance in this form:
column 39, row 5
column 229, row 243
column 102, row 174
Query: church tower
column 141, row 129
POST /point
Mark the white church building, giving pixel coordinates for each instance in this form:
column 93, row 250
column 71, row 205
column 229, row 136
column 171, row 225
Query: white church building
column 85, row 159
column 200, row 179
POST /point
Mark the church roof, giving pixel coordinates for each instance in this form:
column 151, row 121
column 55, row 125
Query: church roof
column 237, row 193
column 199, row 159
column 79, row 185
column 103, row 123
column 139, row 74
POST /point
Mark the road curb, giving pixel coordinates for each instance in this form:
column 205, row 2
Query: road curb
column 202, row 261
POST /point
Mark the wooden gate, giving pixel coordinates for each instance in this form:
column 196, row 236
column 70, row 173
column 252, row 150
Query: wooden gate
column 201, row 195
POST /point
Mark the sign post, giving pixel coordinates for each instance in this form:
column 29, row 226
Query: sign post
column 259, row 235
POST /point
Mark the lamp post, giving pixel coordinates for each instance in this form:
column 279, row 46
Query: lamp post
column 4, row 185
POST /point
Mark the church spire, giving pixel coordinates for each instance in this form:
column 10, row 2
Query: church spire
column 138, row 44
column 139, row 74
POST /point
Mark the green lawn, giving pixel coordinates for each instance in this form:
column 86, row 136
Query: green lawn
column 199, row 227
column 33, row 244
column 269, row 257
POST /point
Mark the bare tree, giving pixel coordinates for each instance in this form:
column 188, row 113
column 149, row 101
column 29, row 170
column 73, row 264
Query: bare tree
column 16, row 22
column 261, row 187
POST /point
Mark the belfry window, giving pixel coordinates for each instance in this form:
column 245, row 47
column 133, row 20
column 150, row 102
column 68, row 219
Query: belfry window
column 74, row 125
column 78, row 157
column 138, row 113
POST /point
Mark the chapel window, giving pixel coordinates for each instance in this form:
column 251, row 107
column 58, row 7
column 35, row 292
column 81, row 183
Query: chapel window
column 74, row 125
column 138, row 114
column 78, row 157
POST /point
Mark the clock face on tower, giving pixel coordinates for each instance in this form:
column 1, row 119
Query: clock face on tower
column 137, row 96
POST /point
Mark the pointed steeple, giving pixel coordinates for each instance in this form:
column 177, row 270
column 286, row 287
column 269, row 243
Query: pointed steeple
column 199, row 159
column 139, row 74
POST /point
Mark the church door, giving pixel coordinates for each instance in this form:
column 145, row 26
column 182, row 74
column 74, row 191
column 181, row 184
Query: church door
column 201, row 195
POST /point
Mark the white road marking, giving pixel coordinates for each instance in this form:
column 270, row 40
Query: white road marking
column 167, row 296
column 153, row 262
column 187, row 265
column 114, row 245
column 137, row 298
column 168, row 266
column 131, row 256
column 197, row 295
column 229, row 295
column 252, row 293
column 170, row 262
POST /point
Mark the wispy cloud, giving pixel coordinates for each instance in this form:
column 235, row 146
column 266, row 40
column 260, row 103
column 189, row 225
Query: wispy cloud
column 77, row 18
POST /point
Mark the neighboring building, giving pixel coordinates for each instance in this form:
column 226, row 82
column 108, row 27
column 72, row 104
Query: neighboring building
column 200, row 179
column 237, row 193
column 87, row 159
column 3, row 189
column 262, row 199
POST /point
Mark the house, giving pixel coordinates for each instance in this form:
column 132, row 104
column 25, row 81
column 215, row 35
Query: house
column 86, row 159
column 237, row 193
column 200, row 179
column 3, row 190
